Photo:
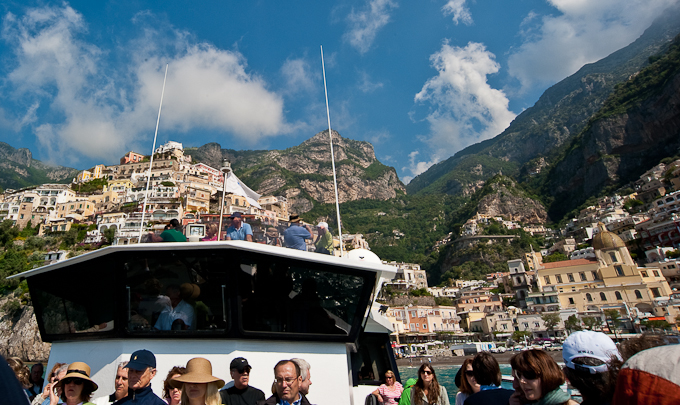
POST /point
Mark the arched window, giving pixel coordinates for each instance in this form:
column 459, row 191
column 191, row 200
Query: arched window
column 589, row 297
column 603, row 297
column 638, row 295
column 618, row 296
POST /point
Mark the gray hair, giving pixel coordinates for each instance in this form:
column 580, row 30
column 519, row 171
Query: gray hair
column 304, row 367
column 122, row 364
column 62, row 368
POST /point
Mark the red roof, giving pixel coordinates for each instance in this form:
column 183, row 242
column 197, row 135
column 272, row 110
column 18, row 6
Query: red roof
column 568, row 263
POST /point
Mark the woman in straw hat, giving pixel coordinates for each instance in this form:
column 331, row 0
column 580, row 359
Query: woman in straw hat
column 199, row 386
column 77, row 386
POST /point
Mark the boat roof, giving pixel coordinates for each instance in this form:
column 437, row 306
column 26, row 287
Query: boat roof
column 222, row 245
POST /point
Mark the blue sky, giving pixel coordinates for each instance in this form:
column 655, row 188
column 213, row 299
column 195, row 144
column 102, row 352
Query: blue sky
column 80, row 81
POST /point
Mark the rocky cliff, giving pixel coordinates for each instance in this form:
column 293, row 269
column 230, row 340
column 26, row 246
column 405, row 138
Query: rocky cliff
column 638, row 126
column 505, row 200
column 20, row 335
column 303, row 174
column 18, row 169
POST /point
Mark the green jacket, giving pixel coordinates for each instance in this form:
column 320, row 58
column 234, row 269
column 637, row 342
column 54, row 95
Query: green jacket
column 405, row 398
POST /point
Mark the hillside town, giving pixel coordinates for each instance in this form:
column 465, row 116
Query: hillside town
column 598, row 284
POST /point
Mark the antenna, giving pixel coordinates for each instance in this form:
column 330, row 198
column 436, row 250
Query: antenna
column 148, row 177
column 330, row 136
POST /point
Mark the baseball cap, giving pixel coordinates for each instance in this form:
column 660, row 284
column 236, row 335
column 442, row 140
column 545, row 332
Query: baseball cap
column 235, row 215
column 591, row 344
column 141, row 359
column 239, row 364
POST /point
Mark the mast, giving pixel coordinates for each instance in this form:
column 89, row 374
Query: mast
column 148, row 176
column 330, row 137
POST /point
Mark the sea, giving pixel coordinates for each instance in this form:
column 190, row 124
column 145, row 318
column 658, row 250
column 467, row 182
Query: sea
column 446, row 376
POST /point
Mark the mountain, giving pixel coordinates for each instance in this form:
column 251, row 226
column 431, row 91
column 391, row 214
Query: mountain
column 637, row 127
column 540, row 133
column 303, row 173
column 18, row 169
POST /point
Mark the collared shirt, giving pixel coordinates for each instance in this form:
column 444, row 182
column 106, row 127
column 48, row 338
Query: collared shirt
column 294, row 237
column 240, row 233
column 182, row 311
column 297, row 402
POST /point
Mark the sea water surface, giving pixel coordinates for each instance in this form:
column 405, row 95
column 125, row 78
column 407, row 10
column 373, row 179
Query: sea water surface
column 446, row 376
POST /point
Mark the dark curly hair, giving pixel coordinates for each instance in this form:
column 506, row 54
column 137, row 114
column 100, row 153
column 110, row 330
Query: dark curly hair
column 166, row 384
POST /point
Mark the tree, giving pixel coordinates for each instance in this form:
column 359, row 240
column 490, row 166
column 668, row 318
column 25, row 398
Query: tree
column 572, row 323
column 550, row 321
column 520, row 335
column 613, row 319
column 555, row 257
column 663, row 325
column 443, row 301
column 110, row 235
column 592, row 322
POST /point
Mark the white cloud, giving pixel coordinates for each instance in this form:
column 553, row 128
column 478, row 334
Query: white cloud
column 584, row 32
column 365, row 24
column 298, row 75
column 463, row 108
column 459, row 11
column 378, row 137
column 94, row 110
column 415, row 167
column 366, row 85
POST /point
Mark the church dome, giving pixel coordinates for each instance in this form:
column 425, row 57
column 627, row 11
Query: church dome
column 606, row 240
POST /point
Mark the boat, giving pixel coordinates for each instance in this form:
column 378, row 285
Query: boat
column 264, row 303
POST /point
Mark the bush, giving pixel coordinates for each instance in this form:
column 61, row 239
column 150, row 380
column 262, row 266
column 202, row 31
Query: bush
column 11, row 307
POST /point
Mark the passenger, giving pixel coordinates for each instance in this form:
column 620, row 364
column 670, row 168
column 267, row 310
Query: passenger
column 539, row 378
column 287, row 379
column 199, row 386
column 241, row 392
column 587, row 355
column 324, row 240
column 174, row 232
column 305, row 373
column 11, row 390
column 22, row 374
column 294, row 237
column 239, row 230
column 37, row 371
column 487, row 374
column 405, row 398
column 77, row 386
column 141, row 370
column 120, row 386
column 210, row 233
column 172, row 395
column 651, row 376
column 51, row 394
column 390, row 392
column 271, row 237
column 427, row 389
column 468, row 385
column 179, row 315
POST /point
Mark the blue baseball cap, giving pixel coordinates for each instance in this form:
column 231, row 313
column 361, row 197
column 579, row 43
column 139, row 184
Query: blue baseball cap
column 141, row 360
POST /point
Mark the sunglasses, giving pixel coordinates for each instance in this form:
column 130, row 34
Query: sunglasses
column 526, row 375
column 426, row 372
column 76, row 381
column 469, row 373
column 388, row 376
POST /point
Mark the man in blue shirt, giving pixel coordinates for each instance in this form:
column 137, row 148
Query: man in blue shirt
column 239, row 230
column 294, row 237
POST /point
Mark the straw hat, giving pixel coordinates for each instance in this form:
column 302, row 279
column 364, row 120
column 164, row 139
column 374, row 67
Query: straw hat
column 189, row 291
column 79, row 370
column 199, row 370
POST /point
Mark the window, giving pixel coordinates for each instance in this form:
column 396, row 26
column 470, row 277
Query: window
column 656, row 273
column 619, row 270
column 612, row 255
column 583, row 276
column 424, row 326
column 656, row 293
column 618, row 296
column 537, row 325
column 505, row 326
column 594, row 275
column 571, row 277
column 643, row 273
column 603, row 297
column 571, row 301
column 589, row 297
column 525, row 324
column 559, row 278
column 638, row 295
column 547, row 279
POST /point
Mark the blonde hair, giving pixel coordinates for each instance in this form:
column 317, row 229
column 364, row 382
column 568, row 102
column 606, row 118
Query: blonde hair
column 212, row 395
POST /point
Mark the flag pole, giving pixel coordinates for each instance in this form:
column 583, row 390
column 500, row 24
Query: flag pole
column 330, row 136
column 148, row 177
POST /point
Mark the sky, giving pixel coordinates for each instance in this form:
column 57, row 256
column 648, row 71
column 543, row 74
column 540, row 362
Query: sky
column 81, row 81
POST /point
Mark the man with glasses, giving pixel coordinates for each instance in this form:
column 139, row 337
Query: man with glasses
column 141, row 369
column 241, row 393
column 287, row 381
